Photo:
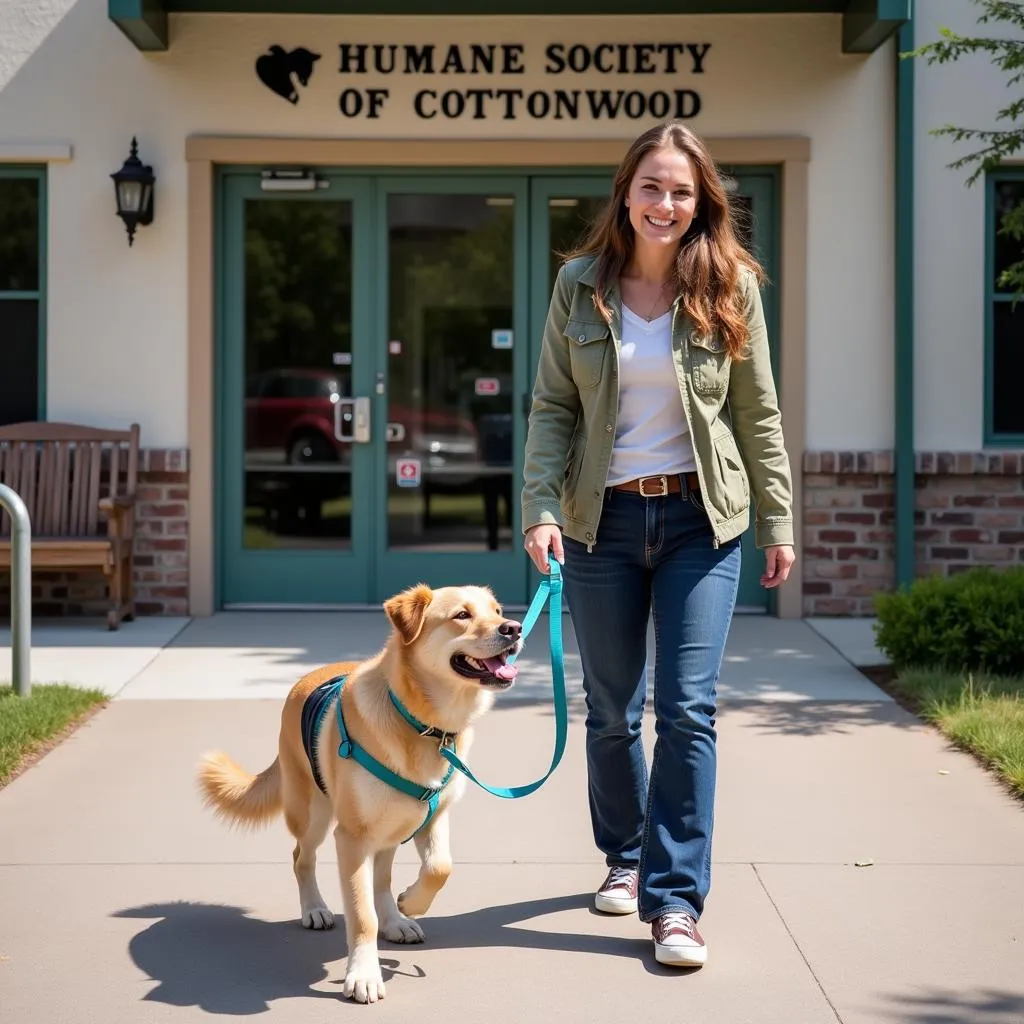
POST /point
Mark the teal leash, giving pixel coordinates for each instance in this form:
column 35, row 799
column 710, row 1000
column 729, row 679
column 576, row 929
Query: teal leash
column 550, row 589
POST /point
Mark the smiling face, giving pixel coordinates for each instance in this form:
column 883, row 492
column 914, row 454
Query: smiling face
column 662, row 197
column 457, row 632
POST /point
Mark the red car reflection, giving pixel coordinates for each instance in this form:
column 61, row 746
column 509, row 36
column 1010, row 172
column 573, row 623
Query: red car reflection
column 290, row 420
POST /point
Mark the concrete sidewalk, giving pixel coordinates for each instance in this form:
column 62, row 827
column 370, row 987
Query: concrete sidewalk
column 247, row 655
column 124, row 903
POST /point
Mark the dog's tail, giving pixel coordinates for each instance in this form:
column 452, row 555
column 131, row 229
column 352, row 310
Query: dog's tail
column 232, row 793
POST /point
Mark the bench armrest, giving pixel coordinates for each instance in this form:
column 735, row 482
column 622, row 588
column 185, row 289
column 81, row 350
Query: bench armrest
column 119, row 515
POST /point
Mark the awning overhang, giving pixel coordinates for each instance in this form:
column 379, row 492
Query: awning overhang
column 867, row 24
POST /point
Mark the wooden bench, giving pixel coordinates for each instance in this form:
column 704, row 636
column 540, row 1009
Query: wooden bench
column 78, row 484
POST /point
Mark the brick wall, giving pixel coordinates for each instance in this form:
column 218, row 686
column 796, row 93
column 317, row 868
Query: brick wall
column 161, row 524
column 969, row 510
column 161, row 551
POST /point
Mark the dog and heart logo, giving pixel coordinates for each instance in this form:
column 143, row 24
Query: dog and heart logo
column 278, row 69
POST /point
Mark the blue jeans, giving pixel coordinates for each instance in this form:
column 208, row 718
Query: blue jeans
column 653, row 555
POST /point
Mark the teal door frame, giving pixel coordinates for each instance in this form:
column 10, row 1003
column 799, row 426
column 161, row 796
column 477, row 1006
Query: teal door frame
column 254, row 575
column 761, row 185
column 366, row 573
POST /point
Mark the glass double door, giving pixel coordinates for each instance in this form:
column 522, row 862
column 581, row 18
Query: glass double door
column 373, row 364
column 378, row 338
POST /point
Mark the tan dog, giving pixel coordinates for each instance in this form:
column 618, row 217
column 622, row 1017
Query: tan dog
column 444, row 661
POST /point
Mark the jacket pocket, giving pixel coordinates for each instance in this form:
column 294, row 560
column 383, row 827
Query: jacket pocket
column 574, row 457
column 588, row 343
column 731, row 476
column 709, row 365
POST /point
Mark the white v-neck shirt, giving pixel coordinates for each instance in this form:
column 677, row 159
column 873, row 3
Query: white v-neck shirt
column 651, row 435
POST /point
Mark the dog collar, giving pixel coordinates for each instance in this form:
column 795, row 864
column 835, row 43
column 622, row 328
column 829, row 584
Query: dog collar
column 446, row 738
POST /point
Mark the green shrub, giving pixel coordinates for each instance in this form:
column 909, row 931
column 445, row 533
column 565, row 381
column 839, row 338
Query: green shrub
column 971, row 621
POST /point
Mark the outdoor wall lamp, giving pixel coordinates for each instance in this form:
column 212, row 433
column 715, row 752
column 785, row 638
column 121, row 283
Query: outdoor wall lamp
column 133, row 186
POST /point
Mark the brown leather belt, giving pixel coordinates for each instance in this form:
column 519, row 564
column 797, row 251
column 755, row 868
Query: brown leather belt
column 658, row 486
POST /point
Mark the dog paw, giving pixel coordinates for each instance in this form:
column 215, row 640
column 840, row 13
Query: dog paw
column 364, row 985
column 317, row 918
column 411, row 904
column 401, row 929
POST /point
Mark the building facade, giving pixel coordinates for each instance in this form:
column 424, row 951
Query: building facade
column 328, row 331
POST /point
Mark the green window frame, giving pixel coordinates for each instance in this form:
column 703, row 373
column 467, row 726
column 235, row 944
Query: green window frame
column 1003, row 312
column 14, row 290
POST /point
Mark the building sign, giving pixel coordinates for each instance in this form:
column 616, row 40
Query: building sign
column 476, row 82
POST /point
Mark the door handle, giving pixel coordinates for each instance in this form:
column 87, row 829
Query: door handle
column 352, row 419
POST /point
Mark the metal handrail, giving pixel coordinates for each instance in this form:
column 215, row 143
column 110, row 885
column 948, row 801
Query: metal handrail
column 21, row 589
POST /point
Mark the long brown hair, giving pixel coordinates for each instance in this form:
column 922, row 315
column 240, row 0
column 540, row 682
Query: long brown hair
column 707, row 266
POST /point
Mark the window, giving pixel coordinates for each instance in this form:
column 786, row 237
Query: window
column 1005, row 316
column 22, row 292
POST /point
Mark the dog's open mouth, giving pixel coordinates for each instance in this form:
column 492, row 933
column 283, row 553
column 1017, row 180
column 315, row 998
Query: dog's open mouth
column 495, row 671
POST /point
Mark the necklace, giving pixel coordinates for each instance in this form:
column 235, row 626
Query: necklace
column 657, row 301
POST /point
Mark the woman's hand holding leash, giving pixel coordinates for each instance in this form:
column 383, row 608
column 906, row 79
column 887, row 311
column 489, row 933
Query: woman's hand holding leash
column 541, row 539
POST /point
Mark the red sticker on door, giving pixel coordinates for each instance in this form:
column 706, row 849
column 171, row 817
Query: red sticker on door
column 408, row 472
column 487, row 385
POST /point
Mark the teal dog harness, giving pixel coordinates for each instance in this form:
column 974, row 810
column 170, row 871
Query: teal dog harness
column 313, row 712
column 317, row 703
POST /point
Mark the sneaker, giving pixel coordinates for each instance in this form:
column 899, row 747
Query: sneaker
column 618, row 891
column 677, row 941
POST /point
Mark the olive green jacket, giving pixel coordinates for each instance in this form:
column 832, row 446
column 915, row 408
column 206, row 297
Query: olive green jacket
column 731, row 410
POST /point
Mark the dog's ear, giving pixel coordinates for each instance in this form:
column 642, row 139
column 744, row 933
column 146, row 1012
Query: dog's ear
column 407, row 610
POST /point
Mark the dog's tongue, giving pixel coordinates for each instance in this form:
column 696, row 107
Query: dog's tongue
column 500, row 669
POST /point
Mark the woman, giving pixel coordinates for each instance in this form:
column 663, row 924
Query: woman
column 654, row 417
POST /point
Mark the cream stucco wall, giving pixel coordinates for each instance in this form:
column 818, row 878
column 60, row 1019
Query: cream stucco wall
column 950, row 235
column 117, row 317
column 23, row 26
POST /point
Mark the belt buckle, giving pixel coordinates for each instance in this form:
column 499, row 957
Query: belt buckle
column 661, row 480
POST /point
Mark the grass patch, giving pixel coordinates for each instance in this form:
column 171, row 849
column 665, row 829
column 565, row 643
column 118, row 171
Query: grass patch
column 983, row 714
column 29, row 727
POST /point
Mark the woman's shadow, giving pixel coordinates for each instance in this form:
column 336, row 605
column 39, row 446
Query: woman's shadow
column 223, row 961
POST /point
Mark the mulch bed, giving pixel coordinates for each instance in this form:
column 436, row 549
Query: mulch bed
column 884, row 677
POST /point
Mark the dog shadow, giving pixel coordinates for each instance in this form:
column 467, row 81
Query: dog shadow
column 219, row 959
